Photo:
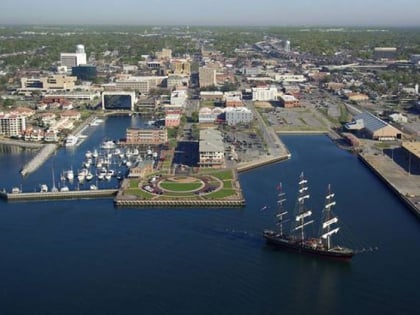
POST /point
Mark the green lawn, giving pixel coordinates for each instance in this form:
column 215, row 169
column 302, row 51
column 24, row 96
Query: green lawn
column 223, row 175
column 138, row 193
column 180, row 186
column 220, row 194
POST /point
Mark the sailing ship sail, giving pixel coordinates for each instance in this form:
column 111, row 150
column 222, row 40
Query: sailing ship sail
column 297, row 240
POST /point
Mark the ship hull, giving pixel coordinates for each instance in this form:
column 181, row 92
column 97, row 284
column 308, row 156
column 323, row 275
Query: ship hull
column 296, row 246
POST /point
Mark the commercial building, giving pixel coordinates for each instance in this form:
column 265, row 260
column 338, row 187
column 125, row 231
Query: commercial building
column 211, row 149
column 52, row 82
column 238, row 115
column 207, row 115
column 84, row 72
column 385, row 53
column 181, row 66
column 118, row 100
column 75, row 59
column 373, row 127
column 288, row 101
column 207, row 76
column 175, row 80
column 172, row 119
column 264, row 93
column 12, row 125
column 146, row 136
column 139, row 84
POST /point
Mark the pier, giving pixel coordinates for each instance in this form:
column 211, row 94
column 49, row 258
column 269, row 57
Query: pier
column 405, row 186
column 44, row 196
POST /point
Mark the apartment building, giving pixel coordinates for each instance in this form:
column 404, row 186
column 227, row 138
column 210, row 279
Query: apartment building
column 147, row 136
column 12, row 125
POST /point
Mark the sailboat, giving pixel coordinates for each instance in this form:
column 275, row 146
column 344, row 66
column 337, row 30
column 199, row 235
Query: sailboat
column 54, row 188
column 297, row 240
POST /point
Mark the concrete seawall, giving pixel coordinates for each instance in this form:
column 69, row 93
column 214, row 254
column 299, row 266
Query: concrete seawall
column 44, row 196
column 22, row 144
column 180, row 203
column 404, row 186
column 243, row 167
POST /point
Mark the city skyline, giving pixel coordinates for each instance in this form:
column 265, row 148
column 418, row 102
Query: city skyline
column 216, row 12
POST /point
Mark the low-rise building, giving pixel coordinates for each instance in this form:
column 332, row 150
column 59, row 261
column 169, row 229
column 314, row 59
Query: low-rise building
column 373, row 127
column 211, row 149
column 172, row 119
column 264, row 93
column 148, row 136
column 238, row 115
column 288, row 101
column 207, row 115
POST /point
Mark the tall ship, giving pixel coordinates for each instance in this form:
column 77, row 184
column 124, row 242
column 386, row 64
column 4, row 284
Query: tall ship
column 297, row 240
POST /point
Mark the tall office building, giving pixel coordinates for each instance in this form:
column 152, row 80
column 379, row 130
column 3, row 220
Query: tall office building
column 75, row 59
column 207, row 76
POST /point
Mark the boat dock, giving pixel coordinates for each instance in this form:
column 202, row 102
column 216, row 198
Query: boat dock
column 405, row 186
column 44, row 196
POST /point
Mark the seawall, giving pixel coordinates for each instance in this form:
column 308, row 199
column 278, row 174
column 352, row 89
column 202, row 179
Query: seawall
column 404, row 186
column 44, row 196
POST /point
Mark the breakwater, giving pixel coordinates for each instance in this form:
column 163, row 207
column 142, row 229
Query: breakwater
column 39, row 159
column 43, row 196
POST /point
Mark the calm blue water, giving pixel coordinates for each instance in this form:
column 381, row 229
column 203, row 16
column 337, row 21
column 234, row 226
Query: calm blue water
column 86, row 257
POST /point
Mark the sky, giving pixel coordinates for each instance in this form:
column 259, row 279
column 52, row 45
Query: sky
column 213, row 12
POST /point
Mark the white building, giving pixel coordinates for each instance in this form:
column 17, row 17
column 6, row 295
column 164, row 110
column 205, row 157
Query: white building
column 179, row 98
column 237, row 115
column 207, row 115
column 298, row 78
column 211, row 148
column 12, row 125
column 264, row 93
column 74, row 59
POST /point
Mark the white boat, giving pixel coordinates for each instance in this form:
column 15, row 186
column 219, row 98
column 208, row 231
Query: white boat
column 70, row 174
column 93, row 187
column 89, row 176
column 88, row 154
column 102, row 173
column 44, row 188
column 95, row 153
column 71, row 140
column 108, row 144
column 64, row 189
column 16, row 190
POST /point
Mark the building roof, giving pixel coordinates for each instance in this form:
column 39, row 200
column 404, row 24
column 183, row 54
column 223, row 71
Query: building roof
column 412, row 147
column 370, row 121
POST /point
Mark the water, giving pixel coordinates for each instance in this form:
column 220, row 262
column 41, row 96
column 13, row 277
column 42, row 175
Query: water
column 86, row 257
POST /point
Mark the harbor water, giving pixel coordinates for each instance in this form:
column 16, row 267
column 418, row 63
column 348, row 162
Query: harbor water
column 87, row 257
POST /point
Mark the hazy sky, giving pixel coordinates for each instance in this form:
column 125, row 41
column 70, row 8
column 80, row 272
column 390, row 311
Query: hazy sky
column 213, row 12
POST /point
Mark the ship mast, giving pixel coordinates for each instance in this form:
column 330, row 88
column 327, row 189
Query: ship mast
column 280, row 208
column 328, row 219
column 302, row 212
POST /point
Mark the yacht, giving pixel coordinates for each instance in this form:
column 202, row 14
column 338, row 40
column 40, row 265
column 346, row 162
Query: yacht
column 44, row 188
column 108, row 144
column 71, row 140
